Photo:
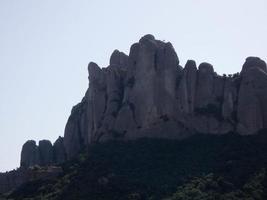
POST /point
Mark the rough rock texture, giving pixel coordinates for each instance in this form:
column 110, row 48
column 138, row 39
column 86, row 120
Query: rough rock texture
column 148, row 94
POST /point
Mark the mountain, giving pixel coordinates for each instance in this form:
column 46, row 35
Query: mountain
column 147, row 94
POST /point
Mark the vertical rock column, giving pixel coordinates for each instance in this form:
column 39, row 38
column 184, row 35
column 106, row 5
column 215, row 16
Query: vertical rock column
column 59, row 154
column 150, row 86
column 45, row 153
column 29, row 154
column 252, row 97
column 187, row 88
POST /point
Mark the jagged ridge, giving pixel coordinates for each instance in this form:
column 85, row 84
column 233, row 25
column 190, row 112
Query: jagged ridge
column 148, row 94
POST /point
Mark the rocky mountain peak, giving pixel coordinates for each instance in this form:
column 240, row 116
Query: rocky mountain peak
column 148, row 94
column 190, row 65
column 147, row 37
column 118, row 58
column 205, row 68
column 252, row 63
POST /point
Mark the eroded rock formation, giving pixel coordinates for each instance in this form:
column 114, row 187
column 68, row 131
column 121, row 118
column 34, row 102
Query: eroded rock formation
column 148, row 94
column 59, row 154
column 29, row 154
column 252, row 98
column 44, row 154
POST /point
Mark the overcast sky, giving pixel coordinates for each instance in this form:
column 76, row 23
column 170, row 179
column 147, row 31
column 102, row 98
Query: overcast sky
column 45, row 47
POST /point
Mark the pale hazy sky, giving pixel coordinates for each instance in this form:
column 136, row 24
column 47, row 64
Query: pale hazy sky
column 45, row 47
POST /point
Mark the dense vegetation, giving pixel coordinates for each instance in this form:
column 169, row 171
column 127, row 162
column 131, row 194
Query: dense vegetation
column 201, row 167
column 210, row 187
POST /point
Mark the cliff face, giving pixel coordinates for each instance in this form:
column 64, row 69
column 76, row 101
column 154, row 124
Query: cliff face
column 148, row 94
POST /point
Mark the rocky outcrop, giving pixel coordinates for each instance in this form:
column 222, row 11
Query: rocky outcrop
column 205, row 84
column 148, row 94
column 29, row 154
column 77, row 123
column 45, row 152
column 254, row 63
column 42, row 155
column 38, row 162
column 97, row 112
column 149, row 89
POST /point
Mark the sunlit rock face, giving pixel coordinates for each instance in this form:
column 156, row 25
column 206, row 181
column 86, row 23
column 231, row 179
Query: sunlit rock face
column 149, row 94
